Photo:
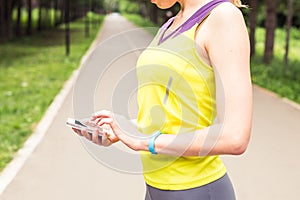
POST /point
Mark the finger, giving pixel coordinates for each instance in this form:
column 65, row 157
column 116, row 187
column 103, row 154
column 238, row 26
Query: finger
column 95, row 137
column 91, row 123
column 113, row 127
column 101, row 114
column 98, row 119
column 103, row 121
column 78, row 132
column 86, row 134
column 105, row 140
column 112, row 136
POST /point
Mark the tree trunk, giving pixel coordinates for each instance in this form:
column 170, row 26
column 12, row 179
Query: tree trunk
column 143, row 9
column 8, row 18
column 288, row 28
column 62, row 11
column 2, row 20
column 29, row 20
column 87, row 21
column 18, row 24
column 67, row 26
column 252, row 21
column 153, row 13
column 47, row 13
column 270, row 30
column 56, row 19
column 40, row 17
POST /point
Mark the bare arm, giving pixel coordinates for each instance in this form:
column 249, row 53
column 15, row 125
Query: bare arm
column 228, row 50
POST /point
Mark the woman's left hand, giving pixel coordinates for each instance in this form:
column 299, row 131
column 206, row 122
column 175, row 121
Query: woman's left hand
column 106, row 117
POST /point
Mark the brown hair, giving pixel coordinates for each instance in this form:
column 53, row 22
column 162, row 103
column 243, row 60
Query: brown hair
column 238, row 3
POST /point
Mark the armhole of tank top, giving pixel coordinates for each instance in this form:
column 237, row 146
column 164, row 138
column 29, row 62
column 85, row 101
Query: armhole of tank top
column 194, row 37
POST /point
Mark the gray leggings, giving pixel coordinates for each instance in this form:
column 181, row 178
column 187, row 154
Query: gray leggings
column 220, row 189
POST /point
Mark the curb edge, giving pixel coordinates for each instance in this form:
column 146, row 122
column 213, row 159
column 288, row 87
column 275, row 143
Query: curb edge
column 16, row 164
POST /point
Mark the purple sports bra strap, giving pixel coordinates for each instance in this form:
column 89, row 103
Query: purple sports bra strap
column 197, row 17
column 167, row 24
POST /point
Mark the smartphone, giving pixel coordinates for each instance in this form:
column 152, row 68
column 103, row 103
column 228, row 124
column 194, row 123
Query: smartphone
column 84, row 125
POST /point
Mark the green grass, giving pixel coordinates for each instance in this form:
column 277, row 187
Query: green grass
column 32, row 71
column 281, row 79
column 277, row 77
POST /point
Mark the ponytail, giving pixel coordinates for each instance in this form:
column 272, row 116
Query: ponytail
column 238, row 3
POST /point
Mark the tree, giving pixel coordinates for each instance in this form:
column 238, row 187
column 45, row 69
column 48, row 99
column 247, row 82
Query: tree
column 2, row 20
column 67, row 26
column 6, row 8
column 40, row 16
column 270, row 25
column 288, row 28
column 253, row 21
column 19, row 12
column 153, row 14
column 87, row 21
column 29, row 19
column 57, row 20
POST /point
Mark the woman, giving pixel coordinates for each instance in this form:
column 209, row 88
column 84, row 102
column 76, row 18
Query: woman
column 195, row 101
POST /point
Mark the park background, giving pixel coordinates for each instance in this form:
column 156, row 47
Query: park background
column 43, row 41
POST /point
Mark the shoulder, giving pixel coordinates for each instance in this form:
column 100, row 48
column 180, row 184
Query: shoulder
column 226, row 13
column 225, row 21
column 226, row 8
column 224, row 28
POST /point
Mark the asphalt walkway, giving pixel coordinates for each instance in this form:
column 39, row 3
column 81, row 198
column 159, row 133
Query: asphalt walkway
column 61, row 168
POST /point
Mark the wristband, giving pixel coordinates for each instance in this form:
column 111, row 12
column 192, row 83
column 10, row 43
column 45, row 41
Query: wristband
column 152, row 140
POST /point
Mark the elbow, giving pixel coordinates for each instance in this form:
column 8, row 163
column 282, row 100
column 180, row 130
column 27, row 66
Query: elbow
column 238, row 145
column 238, row 148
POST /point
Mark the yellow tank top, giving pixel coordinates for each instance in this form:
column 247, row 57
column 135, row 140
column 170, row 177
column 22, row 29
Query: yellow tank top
column 176, row 94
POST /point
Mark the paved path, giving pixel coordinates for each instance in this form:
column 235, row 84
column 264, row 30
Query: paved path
column 60, row 167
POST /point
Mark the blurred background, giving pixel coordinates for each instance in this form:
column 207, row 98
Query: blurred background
column 43, row 41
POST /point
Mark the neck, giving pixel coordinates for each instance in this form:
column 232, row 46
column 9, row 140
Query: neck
column 190, row 6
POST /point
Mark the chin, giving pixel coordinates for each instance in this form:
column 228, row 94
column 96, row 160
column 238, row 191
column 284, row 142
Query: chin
column 162, row 5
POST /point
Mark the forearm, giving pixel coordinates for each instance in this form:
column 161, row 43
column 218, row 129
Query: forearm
column 214, row 140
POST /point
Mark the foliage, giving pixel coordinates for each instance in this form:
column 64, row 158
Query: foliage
column 126, row 6
column 45, row 15
column 32, row 71
column 281, row 13
column 47, row 18
column 282, row 79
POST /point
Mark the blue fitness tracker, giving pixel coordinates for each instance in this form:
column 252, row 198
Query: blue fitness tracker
column 152, row 140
